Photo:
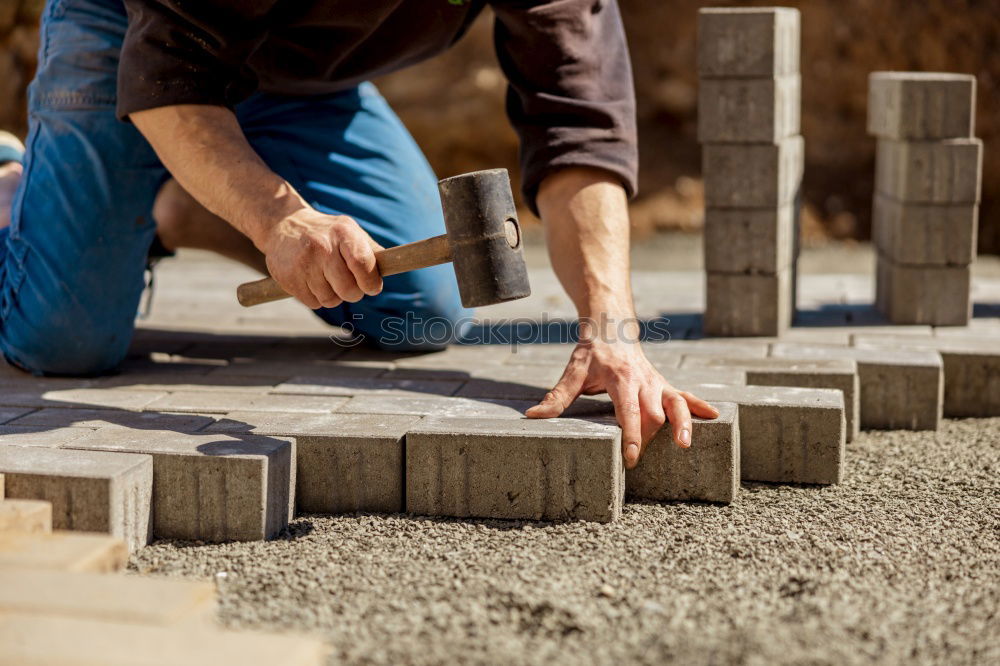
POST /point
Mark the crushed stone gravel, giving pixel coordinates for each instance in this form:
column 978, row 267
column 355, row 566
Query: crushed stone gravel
column 899, row 564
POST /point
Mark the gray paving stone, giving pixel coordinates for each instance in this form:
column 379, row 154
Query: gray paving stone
column 59, row 417
column 221, row 402
column 281, row 371
column 839, row 374
column 747, row 305
column 787, row 435
column 749, row 240
column 971, row 370
column 678, row 349
column 511, row 382
column 163, row 382
column 764, row 110
column 925, row 234
column 89, row 491
column 752, row 175
column 8, row 414
column 210, row 487
column 899, row 388
column 748, row 42
column 930, row 172
column 331, row 386
column 561, row 469
column 708, row 471
column 435, row 406
column 935, row 295
column 458, row 356
column 345, row 462
column 24, row 396
column 921, row 105
column 32, row 435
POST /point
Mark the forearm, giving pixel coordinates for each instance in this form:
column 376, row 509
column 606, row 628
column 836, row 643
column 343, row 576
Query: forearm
column 585, row 213
column 205, row 150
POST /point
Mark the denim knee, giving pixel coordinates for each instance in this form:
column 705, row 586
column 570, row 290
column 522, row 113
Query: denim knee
column 67, row 353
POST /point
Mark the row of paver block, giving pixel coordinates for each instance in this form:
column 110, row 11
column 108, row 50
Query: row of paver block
column 749, row 96
column 217, row 465
column 63, row 601
column 925, row 210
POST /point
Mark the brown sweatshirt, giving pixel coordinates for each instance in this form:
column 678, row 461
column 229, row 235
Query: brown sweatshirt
column 570, row 98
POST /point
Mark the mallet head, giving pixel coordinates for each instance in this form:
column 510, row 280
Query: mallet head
column 485, row 237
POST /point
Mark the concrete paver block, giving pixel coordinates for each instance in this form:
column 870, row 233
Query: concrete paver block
column 679, row 349
column 752, row 175
column 925, row 234
column 28, row 640
column 97, row 596
column 839, row 374
column 748, row 42
column 345, row 462
column 30, row 396
column 930, row 172
column 211, row 487
column 89, row 491
column 747, row 305
column 58, row 417
column 787, row 435
column 8, row 414
column 748, row 110
column 333, row 386
column 921, row 105
column 163, row 382
column 749, row 240
column 66, row 551
column 936, row 295
column 221, row 402
column 38, row 435
column 435, row 406
column 899, row 388
column 25, row 516
column 971, row 370
column 560, row 469
column 281, row 371
column 708, row 471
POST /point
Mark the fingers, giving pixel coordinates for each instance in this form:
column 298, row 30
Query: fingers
column 653, row 417
column 699, row 407
column 359, row 258
column 679, row 416
column 566, row 390
column 629, row 414
column 322, row 291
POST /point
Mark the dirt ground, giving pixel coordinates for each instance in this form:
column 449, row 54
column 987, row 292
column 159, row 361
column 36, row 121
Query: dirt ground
column 899, row 564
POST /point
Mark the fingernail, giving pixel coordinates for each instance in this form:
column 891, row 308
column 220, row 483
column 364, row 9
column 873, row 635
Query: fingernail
column 632, row 452
column 686, row 437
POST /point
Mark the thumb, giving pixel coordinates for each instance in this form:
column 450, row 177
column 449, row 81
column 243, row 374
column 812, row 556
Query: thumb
column 566, row 390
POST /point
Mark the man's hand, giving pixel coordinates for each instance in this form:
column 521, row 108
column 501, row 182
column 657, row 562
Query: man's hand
column 642, row 398
column 587, row 228
column 322, row 260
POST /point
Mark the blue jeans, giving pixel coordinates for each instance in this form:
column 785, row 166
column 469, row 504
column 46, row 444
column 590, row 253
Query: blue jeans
column 72, row 261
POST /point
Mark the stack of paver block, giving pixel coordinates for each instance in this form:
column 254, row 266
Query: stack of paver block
column 752, row 161
column 63, row 602
column 926, row 203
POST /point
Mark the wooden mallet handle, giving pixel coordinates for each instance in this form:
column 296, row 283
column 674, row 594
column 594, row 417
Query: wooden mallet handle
column 400, row 259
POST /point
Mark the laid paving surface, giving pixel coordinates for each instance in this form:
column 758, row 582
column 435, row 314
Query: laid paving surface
column 895, row 565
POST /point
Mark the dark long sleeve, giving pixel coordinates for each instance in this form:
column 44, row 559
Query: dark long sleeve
column 571, row 98
column 189, row 52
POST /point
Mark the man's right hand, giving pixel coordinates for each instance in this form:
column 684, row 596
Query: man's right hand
column 322, row 260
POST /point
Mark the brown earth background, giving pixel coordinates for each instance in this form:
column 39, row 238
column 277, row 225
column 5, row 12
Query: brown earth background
column 454, row 103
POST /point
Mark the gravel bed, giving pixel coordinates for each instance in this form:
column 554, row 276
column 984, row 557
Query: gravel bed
column 899, row 564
